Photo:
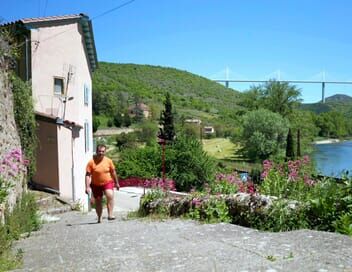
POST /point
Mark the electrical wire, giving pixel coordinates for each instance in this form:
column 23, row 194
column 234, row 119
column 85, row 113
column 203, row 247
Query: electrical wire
column 46, row 4
column 98, row 16
column 113, row 9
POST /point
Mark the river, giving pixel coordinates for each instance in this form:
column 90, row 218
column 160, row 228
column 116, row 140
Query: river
column 332, row 159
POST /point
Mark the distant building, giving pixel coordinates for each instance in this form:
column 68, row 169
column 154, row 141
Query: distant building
column 208, row 130
column 139, row 107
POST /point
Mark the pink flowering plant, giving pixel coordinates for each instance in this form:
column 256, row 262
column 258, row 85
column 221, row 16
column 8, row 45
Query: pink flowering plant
column 159, row 183
column 292, row 179
column 231, row 184
column 208, row 208
column 12, row 166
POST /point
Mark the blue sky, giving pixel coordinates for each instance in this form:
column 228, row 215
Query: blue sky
column 251, row 39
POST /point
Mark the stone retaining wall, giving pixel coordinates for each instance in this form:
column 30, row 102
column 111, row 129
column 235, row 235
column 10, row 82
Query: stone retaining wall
column 9, row 138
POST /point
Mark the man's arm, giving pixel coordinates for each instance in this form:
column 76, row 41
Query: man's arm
column 88, row 181
column 116, row 180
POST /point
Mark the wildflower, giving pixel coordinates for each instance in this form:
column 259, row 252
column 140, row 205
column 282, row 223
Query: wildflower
column 196, row 202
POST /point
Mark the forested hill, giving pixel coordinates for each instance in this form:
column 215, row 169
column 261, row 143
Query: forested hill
column 192, row 95
column 338, row 102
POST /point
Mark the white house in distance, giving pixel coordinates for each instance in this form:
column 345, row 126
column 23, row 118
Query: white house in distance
column 208, row 130
column 58, row 57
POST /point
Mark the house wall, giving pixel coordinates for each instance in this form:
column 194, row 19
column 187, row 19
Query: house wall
column 47, row 157
column 56, row 51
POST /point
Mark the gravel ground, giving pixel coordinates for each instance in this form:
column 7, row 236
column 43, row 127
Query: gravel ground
column 77, row 243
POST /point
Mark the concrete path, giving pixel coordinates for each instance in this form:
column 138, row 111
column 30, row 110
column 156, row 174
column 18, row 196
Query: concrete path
column 127, row 199
column 77, row 243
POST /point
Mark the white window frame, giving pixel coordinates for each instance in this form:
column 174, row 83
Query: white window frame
column 86, row 94
column 86, row 136
column 62, row 92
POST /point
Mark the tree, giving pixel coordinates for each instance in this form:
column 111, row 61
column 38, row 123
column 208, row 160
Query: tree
column 290, row 155
column 96, row 123
column 263, row 134
column 118, row 120
column 147, row 133
column 126, row 119
column 298, row 142
column 332, row 124
column 252, row 99
column 281, row 97
column 167, row 130
column 305, row 123
column 138, row 113
column 126, row 140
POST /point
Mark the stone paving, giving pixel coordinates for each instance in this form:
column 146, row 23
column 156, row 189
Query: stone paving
column 77, row 243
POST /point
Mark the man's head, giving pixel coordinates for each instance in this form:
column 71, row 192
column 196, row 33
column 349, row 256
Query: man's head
column 101, row 149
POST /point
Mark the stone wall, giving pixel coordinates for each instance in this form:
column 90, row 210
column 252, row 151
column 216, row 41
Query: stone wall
column 9, row 138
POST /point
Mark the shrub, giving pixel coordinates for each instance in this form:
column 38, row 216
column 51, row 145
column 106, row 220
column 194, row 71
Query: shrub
column 230, row 184
column 159, row 183
column 126, row 140
column 151, row 197
column 188, row 164
column 23, row 218
column 290, row 180
column 326, row 204
column 283, row 215
column 140, row 162
column 12, row 167
column 185, row 162
column 147, row 133
column 110, row 122
column 344, row 224
column 210, row 210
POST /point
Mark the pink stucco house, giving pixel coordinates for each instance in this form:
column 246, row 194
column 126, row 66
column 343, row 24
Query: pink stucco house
column 59, row 57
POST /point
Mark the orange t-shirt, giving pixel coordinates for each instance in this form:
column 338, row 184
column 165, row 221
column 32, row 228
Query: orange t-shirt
column 101, row 172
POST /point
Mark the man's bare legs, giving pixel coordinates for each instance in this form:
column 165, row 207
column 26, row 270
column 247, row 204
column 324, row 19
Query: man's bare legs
column 110, row 202
column 99, row 208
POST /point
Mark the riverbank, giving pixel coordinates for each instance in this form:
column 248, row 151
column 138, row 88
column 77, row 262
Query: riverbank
column 327, row 141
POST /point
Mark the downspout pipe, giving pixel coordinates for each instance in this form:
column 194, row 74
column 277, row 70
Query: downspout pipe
column 26, row 58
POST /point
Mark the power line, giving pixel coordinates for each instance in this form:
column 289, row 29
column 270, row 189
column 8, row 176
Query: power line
column 113, row 9
column 100, row 15
column 46, row 4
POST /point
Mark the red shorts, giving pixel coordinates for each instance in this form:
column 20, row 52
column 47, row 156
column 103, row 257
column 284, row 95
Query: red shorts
column 98, row 190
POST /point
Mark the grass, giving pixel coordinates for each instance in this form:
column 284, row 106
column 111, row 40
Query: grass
column 103, row 121
column 221, row 148
column 228, row 154
column 23, row 219
column 198, row 114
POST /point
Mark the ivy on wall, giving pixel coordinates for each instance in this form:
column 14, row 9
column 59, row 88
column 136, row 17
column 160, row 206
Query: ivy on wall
column 22, row 99
column 25, row 119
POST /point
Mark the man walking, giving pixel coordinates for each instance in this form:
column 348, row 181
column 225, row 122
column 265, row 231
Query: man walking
column 101, row 179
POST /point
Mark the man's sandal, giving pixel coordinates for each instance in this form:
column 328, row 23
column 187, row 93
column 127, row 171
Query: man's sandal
column 112, row 218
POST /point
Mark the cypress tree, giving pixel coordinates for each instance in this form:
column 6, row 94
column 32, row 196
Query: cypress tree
column 167, row 130
column 298, row 143
column 289, row 146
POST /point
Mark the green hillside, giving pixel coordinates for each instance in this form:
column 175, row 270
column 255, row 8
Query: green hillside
column 192, row 95
column 338, row 102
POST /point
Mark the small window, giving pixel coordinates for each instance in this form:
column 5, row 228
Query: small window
column 86, row 95
column 86, row 135
column 58, row 86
